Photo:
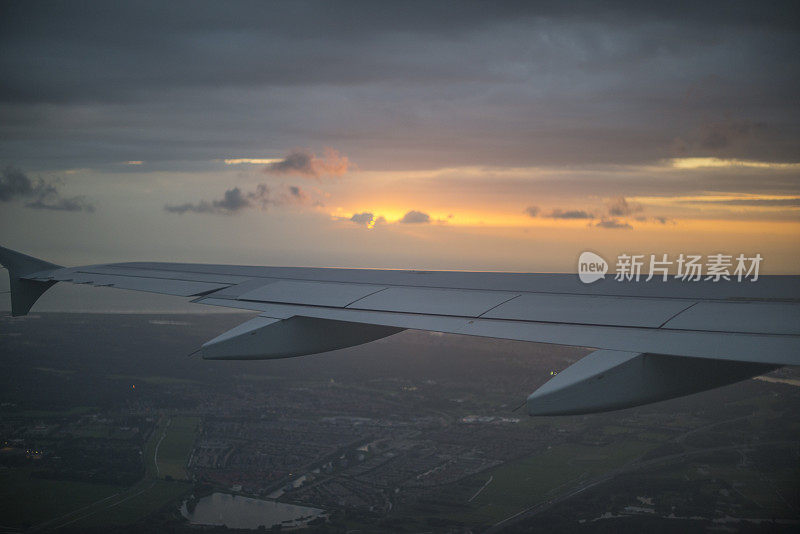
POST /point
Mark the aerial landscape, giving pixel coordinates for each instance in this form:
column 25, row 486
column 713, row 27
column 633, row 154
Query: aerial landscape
column 107, row 422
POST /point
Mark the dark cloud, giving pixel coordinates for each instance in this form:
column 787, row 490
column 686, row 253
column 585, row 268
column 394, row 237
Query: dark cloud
column 367, row 219
column 41, row 194
column 234, row 200
column 547, row 82
column 718, row 136
column 614, row 224
column 415, row 217
column 262, row 197
column 728, row 137
column 265, row 196
column 62, row 204
column 303, row 162
column 14, row 184
column 362, row 218
column 532, row 211
column 620, row 207
column 570, row 214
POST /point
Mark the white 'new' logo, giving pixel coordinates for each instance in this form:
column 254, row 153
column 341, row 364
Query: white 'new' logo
column 591, row 267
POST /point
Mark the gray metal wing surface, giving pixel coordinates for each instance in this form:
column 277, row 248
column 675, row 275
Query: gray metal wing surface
column 656, row 340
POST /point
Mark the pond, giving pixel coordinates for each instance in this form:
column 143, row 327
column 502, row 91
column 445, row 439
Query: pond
column 234, row 511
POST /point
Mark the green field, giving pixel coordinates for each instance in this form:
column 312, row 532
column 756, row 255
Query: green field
column 172, row 441
column 521, row 484
column 170, row 447
column 58, row 503
column 23, row 497
column 136, row 503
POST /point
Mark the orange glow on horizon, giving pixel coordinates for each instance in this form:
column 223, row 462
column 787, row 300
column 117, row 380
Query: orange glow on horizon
column 502, row 220
column 706, row 162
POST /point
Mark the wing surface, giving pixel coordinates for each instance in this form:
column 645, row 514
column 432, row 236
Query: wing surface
column 751, row 325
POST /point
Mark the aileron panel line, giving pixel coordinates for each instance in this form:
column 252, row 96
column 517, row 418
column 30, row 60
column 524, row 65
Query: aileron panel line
column 310, row 293
column 752, row 317
column 455, row 302
column 582, row 309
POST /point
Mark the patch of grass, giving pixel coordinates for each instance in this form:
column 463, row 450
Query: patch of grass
column 523, row 483
column 137, row 503
column 175, row 448
column 149, row 450
column 26, row 501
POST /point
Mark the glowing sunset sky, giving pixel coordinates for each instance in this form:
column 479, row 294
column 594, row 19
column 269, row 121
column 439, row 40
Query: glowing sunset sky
column 418, row 135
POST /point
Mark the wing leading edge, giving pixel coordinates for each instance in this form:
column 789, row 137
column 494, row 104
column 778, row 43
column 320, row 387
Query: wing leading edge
column 658, row 340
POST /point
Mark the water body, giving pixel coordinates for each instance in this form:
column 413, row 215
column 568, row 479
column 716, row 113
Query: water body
column 234, row 511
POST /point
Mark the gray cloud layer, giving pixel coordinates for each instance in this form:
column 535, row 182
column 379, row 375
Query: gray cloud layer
column 547, row 82
column 40, row 194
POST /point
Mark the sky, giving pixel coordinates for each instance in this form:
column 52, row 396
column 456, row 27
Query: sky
column 448, row 135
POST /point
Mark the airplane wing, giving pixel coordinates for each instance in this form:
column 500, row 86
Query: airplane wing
column 656, row 340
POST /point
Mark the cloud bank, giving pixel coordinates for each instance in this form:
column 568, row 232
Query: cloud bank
column 41, row 194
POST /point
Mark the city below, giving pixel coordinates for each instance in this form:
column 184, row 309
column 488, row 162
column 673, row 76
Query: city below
column 105, row 422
